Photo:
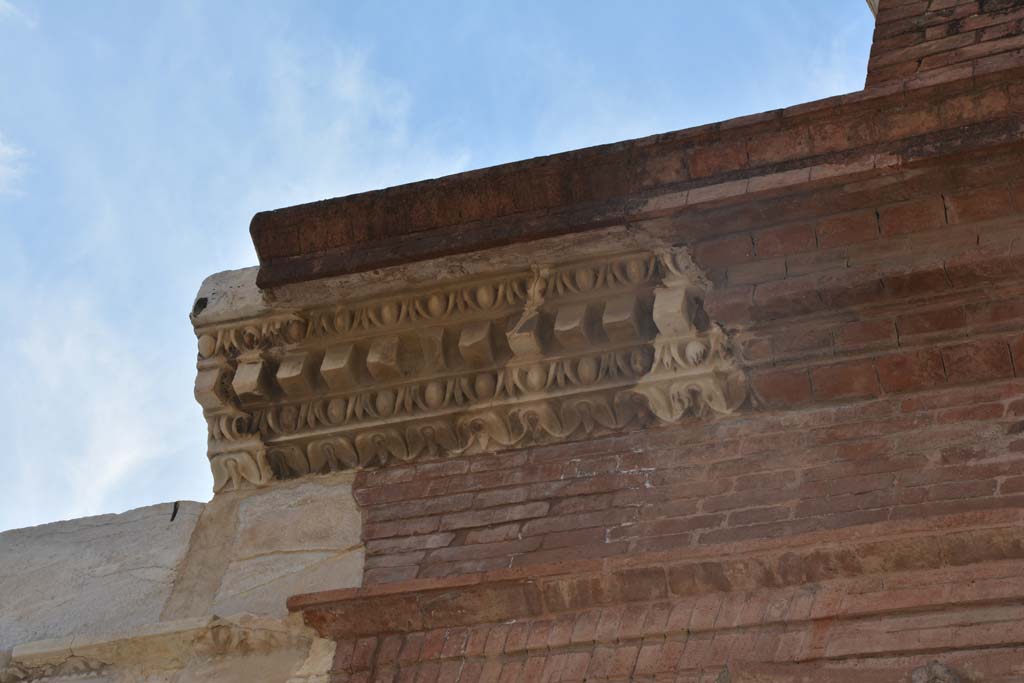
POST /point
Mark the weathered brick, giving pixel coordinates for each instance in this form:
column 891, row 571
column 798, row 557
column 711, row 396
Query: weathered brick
column 781, row 241
column 979, row 205
column 866, row 334
column 911, row 371
column 724, row 252
column 782, row 388
column 913, row 216
column 490, row 516
column 931, row 321
column 850, row 380
column 847, row 229
column 758, row 271
column 708, row 160
column 977, row 361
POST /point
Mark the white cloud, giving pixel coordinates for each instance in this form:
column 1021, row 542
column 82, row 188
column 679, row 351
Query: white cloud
column 11, row 168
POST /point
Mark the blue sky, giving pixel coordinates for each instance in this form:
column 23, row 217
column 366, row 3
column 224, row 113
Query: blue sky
column 138, row 138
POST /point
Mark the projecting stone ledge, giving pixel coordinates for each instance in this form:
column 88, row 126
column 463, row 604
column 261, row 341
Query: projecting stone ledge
column 540, row 352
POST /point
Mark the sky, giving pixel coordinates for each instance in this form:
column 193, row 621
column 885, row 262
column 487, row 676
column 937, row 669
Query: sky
column 137, row 139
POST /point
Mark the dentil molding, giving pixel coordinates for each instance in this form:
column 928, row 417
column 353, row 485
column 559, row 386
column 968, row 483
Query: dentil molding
column 565, row 350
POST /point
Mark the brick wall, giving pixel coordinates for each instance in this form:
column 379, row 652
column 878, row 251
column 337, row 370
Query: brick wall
column 861, row 516
column 940, row 40
column 886, row 356
column 873, row 605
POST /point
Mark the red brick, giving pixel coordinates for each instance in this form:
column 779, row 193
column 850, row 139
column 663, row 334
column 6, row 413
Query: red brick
column 433, row 644
column 928, row 281
column 990, row 411
column 759, row 515
column 909, row 121
column 496, row 640
column 979, row 205
column 978, row 361
column 970, row 107
column 489, row 516
column 1012, row 485
column 782, row 388
column 779, row 145
column 800, row 342
column 788, row 239
column 816, row 262
column 411, row 647
column 913, row 216
column 1017, row 349
column 575, row 666
column 407, row 543
column 766, row 480
column 576, row 537
column 724, row 252
column 404, row 527
column 995, row 313
column 911, row 371
column 622, row 663
column 851, row 380
column 729, row 304
column 931, row 321
column 850, row 228
column 712, row 159
column 866, row 334
column 757, row 271
column 789, row 297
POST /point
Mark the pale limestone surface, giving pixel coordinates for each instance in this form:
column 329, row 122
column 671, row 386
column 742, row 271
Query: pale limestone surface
column 133, row 597
column 235, row 650
column 110, row 572
column 253, row 549
column 295, row 539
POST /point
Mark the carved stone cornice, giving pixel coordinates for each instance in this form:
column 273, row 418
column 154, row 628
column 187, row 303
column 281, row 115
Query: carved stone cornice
column 565, row 350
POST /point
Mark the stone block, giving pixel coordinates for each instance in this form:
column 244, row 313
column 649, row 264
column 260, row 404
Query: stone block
column 298, row 374
column 476, row 344
column 621, row 319
column 252, row 382
column 105, row 573
column 342, row 367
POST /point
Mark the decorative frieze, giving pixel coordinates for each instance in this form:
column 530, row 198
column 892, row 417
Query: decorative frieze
column 565, row 350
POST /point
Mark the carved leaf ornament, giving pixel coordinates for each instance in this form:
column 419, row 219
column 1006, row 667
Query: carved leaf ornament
column 558, row 353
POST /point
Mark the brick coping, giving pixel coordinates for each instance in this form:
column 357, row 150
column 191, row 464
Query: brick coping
column 790, row 149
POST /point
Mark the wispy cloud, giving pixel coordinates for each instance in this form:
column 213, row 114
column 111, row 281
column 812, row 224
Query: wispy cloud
column 101, row 361
column 11, row 165
column 9, row 11
column 91, row 427
column 335, row 127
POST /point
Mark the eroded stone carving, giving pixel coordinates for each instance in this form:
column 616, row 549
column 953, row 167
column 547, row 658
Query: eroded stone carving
column 563, row 351
column 933, row 672
column 69, row 667
column 241, row 648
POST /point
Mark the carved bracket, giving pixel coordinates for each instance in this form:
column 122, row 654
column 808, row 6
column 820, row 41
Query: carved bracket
column 563, row 351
